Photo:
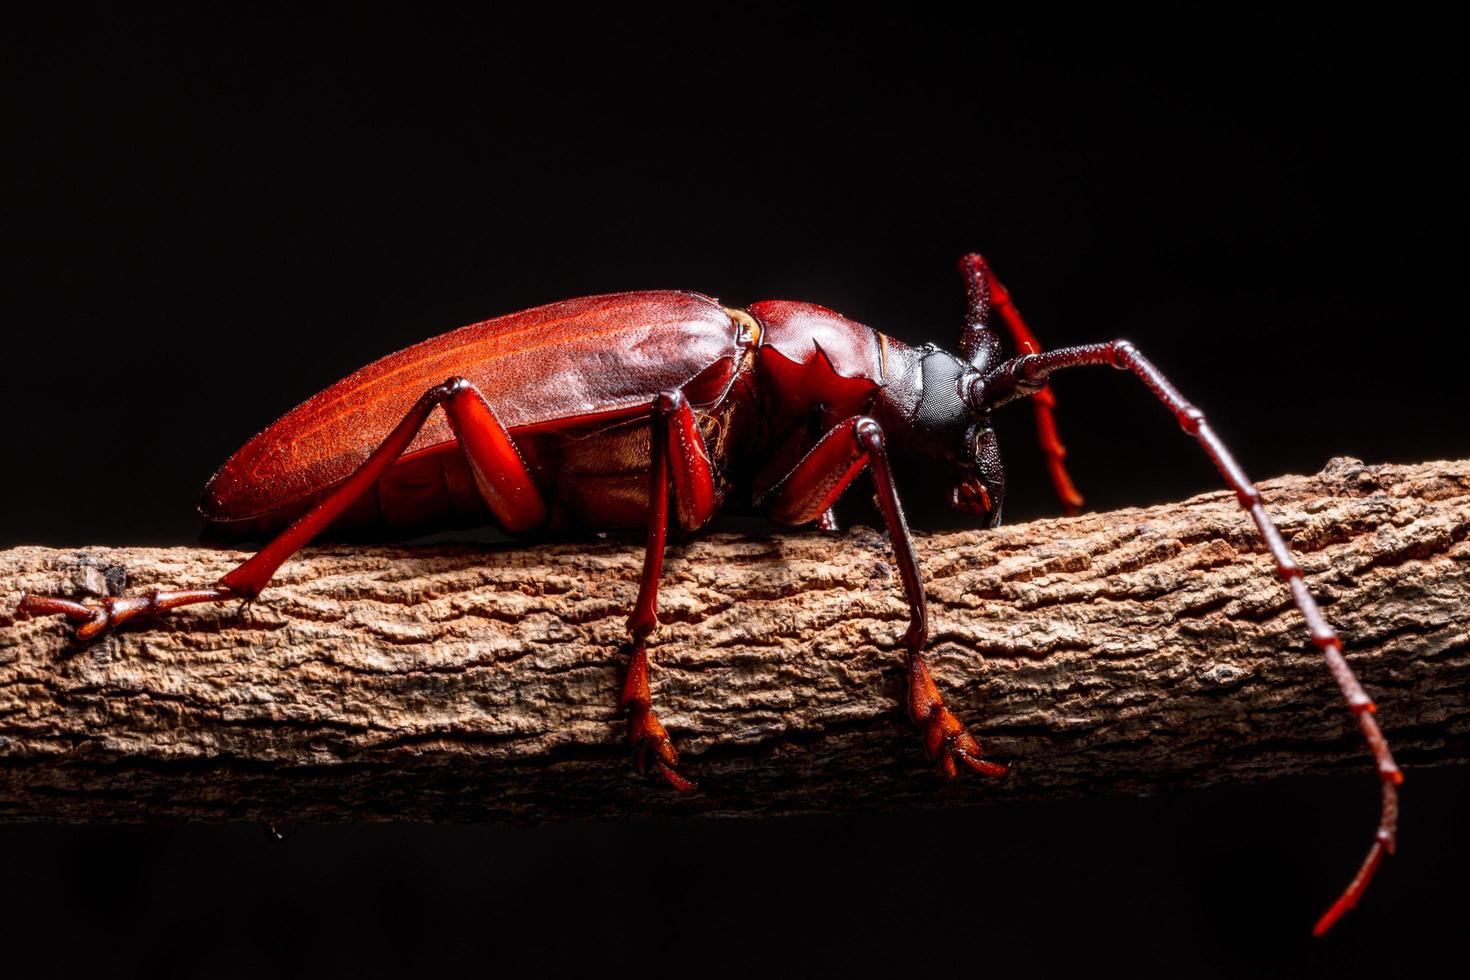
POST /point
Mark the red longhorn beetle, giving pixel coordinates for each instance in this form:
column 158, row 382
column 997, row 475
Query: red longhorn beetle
column 591, row 413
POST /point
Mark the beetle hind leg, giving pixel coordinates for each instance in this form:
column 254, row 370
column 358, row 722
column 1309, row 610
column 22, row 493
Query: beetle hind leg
column 110, row 611
column 500, row 474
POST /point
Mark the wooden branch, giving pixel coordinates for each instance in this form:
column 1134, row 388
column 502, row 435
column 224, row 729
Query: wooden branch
column 1110, row 652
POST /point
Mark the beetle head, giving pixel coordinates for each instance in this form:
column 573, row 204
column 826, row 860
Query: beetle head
column 945, row 425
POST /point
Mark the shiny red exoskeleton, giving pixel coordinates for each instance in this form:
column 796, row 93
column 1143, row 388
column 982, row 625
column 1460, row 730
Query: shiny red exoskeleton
column 594, row 413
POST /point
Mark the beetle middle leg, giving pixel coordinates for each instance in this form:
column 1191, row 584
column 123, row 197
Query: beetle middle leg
column 674, row 434
column 808, row 491
column 500, row 474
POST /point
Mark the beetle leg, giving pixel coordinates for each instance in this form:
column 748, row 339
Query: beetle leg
column 1025, row 375
column 499, row 472
column 986, row 294
column 675, row 434
column 110, row 611
column 809, row 491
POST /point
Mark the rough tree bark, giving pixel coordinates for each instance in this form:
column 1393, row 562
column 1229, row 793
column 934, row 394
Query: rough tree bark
column 1110, row 652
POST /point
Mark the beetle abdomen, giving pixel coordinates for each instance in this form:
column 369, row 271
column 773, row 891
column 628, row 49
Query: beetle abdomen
column 596, row 358
column 594, row 475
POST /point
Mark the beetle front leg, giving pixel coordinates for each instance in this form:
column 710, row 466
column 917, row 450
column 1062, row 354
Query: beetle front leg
column 675, row 434
column 809, row 491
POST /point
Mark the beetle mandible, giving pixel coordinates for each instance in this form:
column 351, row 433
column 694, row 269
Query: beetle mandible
column 594, row 413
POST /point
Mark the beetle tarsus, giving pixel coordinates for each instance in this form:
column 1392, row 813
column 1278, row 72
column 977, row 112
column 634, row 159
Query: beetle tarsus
column 960, row 747
column 651, row 743
column 91, row 618
column 646, row 734
column 674, row 779
column 945, row 737
column 107, row 612
column 947, row 742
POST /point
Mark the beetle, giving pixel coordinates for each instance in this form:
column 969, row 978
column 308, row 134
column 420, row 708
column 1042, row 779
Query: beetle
column 632, row 410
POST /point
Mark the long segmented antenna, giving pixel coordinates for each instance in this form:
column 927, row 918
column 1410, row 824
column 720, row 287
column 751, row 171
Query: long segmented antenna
column 1026, row 375
column 980, row 345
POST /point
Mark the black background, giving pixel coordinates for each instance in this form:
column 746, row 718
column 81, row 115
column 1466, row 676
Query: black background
column 208, row 220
